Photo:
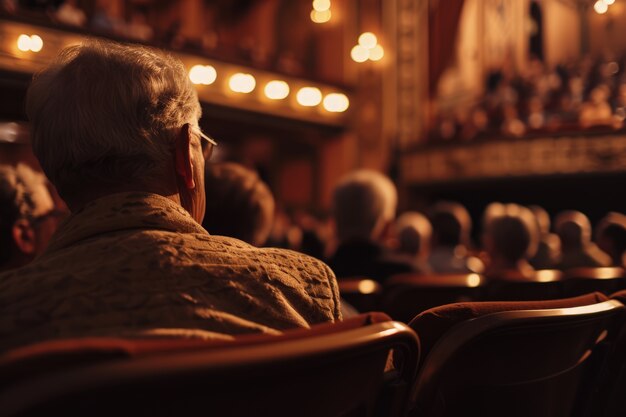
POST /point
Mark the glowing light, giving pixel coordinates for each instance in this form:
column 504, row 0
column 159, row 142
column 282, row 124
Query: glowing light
column 368, row 40
column 376, row 53
column 203, row 74
column 359, row 53
column 320, row 17
column 473, row 280
column 276, row 90
column 242, row 83
column 36, row 43
column 608, row 2
column 309, row 96
column 367, row 286
column 336, row 103
column 600, row 7
column 321, row 5
column 23, row 43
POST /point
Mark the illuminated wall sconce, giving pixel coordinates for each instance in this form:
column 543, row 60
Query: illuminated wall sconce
column 242, row 83
column 276, row 90
column 202, row 74
column 336, row 103
column 309, row 96
column 27, row 43
column 367, row 48
column 321, row 11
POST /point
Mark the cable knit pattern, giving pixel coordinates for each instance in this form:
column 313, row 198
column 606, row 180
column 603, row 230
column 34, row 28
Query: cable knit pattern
column 137, row 263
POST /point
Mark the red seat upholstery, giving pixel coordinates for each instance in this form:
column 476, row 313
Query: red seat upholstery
column 508, row 358
column 332, row 369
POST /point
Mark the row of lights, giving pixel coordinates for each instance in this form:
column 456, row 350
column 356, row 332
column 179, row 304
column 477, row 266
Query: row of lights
column 273, row 90
column 602, row 6
column 32, row 43
column 321, row 11
column 238, row 83
column 368, row 48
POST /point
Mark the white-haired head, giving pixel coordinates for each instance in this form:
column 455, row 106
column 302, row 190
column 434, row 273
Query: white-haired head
column 105, row 114
column 364, row 203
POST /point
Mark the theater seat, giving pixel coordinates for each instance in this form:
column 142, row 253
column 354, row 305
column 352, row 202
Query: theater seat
column 406, row 295
column 510, row 358
column 545, row 285
column 612, row 391
column 331, row 370
column 361, row 292
column 607, row 280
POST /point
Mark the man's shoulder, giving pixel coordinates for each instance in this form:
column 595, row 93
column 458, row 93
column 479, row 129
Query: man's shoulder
column 278, row 256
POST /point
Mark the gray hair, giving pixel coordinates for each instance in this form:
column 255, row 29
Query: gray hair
column 414, row 232
column 363, row 202
column 104, row 114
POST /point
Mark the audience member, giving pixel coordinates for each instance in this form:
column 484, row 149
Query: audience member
column 364, row 205
column 116, row 130
column 238, row 203
column 510, row 237
column 414, row 233
column 611, row 237
column 69, row 13
column 28, row 215
column 549, row 247
column 451, row 225
column 577, row 250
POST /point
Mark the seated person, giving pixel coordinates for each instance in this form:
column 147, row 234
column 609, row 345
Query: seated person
column 28, row 215
column 577, row 249
column 449, row 253
column 510, row 238
column 364, row 206
column 414, row 233
column 549, row 247
column 238, row 203
column 115, row 128
column 611, row 237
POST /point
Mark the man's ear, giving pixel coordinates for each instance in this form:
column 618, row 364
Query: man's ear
column 182, row 156
column 24, row 236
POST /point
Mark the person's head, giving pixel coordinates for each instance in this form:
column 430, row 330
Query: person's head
column 110, row 118
column 364, row 205
column 611, row 236
column 414, row 233
column 542, row 218
column 238, row 203
column 511, row 234
column 573, row 228
column 28, row 216
column 451, row 224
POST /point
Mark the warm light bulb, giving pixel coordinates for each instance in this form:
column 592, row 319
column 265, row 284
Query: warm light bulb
column 608, row 2
column 600, row 7
column 309, row 96
column 202, row 74
column 23, row 43
column 320, row 17
column 377, row 53
column 36, row 43
column 321, row 5
column 368, row 40
column 336, row 103
column 359, row 53
column 276, row 90
column 242, row 83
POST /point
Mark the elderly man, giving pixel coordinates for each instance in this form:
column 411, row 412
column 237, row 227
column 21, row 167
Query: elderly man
column 116, row 130
column 28, row 215
column 364, row 207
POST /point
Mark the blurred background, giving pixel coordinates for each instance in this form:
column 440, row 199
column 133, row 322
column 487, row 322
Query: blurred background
column 469, row 100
